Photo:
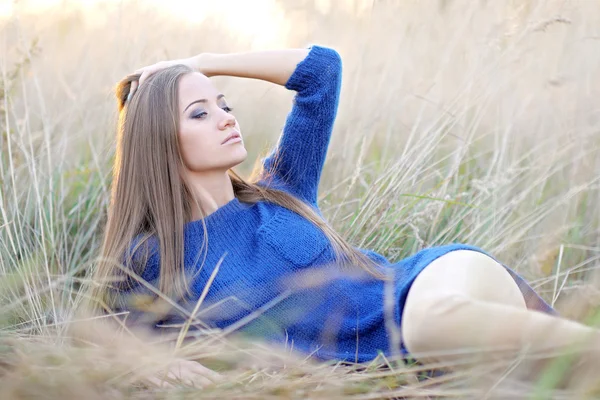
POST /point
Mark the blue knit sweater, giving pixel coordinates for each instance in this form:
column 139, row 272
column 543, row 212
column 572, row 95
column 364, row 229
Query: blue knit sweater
column 273, row 260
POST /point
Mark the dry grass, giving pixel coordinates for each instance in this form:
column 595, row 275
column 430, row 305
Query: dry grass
column 459, row 121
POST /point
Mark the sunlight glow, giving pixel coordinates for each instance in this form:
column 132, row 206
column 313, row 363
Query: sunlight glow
column 262, row 21
column 6, row 9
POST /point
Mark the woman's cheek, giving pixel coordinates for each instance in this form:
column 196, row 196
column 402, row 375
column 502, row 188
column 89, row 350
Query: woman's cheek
column 187, row 150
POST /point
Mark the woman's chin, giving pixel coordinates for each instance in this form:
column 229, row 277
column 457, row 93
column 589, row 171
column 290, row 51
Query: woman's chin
column 240, row 157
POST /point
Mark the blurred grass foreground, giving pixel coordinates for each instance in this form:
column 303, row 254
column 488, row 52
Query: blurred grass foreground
column 460, row 120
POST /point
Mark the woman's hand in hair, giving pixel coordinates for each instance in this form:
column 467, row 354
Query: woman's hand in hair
column 145, row 72
column 186, row 372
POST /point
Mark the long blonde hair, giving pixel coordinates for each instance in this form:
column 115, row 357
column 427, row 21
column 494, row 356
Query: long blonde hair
column 150, row 197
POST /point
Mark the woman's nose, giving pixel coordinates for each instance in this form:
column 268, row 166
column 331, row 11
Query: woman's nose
column 228, row 121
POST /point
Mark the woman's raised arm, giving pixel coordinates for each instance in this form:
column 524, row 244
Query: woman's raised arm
column 274, row 66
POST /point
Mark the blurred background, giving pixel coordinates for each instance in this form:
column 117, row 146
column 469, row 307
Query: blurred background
column 459, row 120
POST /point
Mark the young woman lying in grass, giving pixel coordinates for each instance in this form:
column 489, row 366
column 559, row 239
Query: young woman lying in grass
column 257, row 256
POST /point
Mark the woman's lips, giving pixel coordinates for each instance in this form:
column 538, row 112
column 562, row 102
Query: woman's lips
column 232, row 138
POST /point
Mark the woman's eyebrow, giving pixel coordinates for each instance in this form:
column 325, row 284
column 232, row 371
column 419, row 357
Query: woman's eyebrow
column 202, row 101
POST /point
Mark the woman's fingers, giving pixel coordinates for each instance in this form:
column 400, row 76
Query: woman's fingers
column 132, row 88
column 197, row 369
column 192, row 378
column 146, row 72
column 186, row 378
column 149, row 70
column 159, row 382
column 206, row 372
column 187, row 372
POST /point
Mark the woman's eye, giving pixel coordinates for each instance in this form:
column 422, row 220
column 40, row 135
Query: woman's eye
column 200, row 115
column 228, row 109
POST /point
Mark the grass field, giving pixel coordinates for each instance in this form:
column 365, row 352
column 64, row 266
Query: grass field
column 459, row 120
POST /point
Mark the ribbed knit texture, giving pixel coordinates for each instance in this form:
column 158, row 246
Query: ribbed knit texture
column 270, row 254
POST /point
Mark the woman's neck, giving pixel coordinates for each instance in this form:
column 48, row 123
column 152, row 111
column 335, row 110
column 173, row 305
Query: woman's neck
column 212, row 189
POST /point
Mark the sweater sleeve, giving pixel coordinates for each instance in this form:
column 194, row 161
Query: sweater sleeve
column 298, row 158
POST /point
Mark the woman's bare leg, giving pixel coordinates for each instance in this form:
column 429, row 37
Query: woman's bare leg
column 466, row 300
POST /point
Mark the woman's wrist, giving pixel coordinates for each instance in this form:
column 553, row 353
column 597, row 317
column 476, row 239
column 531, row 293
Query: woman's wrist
column 206, row 63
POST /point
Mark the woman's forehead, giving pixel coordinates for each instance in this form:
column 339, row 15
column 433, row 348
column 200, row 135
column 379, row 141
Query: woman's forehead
column 195, row 86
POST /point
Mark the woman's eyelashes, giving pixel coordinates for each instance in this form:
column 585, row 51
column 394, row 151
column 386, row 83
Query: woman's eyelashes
column 201, row 114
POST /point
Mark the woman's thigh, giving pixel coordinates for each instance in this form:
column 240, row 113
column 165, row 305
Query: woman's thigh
column 451, row 281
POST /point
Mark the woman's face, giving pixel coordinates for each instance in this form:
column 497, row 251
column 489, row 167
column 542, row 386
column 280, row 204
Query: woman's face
column 205, row 121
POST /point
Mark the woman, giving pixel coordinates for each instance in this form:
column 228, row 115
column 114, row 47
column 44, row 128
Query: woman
column 238, row 246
